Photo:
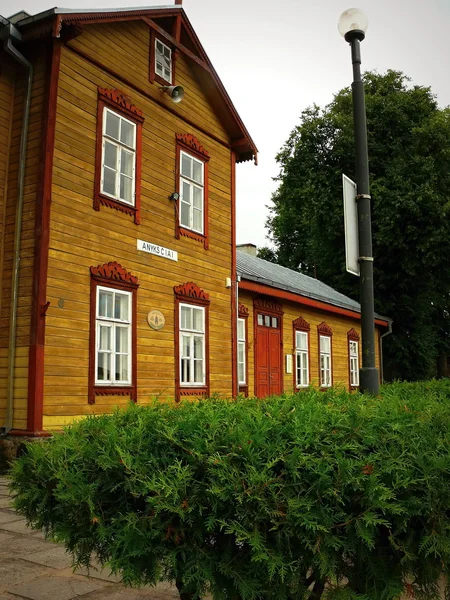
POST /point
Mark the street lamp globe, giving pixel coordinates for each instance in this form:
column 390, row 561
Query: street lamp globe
column 353, row 24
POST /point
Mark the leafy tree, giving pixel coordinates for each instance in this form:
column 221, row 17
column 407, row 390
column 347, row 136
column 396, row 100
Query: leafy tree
column 409, row 154
column 267, row 253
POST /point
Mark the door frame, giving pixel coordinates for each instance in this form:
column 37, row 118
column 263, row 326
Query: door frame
column 274, row 309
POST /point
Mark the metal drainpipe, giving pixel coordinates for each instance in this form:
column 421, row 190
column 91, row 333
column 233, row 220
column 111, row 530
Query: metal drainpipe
column 10, row 32
column 388, row 332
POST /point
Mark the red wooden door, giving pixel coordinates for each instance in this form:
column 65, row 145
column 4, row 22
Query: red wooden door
column 268, row 356
column 274, row 361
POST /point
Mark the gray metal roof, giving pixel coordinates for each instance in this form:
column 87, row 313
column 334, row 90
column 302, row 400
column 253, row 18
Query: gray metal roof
column 261, row 271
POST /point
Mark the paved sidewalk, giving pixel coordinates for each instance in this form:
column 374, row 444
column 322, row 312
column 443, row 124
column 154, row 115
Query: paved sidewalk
column 36, row 569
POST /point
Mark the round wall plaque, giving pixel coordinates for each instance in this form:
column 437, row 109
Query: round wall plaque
column 156, row 319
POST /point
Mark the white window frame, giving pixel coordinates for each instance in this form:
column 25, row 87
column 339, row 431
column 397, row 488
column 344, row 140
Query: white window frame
column 120, row 146
column 113, row 324
column 301, row 355
column 354, row 362
column 327, row 368
column 242, row 345
column 160, row 57
column 189, row 201
column 191, row 334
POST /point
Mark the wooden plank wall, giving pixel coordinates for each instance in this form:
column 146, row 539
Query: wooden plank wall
column 81, row 237
column 339, row 325
column 33, row 161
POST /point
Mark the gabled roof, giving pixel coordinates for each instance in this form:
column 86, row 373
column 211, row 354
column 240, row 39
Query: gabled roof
column 261, row 271
column 162, row 19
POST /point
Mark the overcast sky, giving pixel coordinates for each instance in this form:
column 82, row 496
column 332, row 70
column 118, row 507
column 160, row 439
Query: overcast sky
column 275, row 58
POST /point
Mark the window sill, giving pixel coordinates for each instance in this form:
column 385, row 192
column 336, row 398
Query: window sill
column 112, row 390
column 117, row 205
column 194, row 235
column 162, row 81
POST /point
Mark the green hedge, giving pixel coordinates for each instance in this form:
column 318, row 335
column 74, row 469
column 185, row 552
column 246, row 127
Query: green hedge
column 306, row 496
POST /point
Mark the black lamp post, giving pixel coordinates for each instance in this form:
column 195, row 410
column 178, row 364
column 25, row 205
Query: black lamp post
column 352, row 26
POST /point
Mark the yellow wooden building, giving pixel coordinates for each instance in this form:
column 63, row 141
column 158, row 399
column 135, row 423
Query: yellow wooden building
column 117, row 222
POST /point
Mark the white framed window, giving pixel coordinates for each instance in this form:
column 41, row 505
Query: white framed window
column 113, row 337
column 118, row 178
column 242, row 366
column 354, row 367
column 325, row 360
column 163, row 61
column 192, row 345
column 191, row 192
column 301, row 359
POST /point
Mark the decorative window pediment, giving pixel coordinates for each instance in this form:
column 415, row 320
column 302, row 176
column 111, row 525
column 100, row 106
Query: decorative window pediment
column 192, row 291
column 324, row 329
column 353, row 335
column 192, row 143
column 114, row 272
column 120, row 100
column 243, row 311
column 300, row 323
column 267, row 305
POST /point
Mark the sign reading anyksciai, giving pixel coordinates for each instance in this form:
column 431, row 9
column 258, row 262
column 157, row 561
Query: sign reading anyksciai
column 157, row 250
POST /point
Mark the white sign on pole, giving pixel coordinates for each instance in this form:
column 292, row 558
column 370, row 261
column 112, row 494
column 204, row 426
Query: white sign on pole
column 351, row 226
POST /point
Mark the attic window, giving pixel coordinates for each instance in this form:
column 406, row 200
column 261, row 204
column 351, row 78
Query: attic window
column 163, row 61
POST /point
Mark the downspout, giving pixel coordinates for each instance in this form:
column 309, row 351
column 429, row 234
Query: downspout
column 388, row 332
column 9, row 33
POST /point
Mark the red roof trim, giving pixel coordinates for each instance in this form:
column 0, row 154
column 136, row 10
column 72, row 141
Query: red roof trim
column 259, row 288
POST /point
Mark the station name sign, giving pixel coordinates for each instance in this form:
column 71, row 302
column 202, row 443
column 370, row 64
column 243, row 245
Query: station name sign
column 157, row 250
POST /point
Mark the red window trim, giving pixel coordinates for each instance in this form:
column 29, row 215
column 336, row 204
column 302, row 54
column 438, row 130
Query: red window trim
column 190, row 293
column 114, row 276
column 191, row 145
column 301, row 324
column 352, row 335
column 152, row 74
column 325, row 330
column 243, row 313
column 119, row 103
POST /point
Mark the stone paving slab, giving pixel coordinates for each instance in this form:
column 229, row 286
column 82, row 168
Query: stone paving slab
column 60, row 588
column 57, row 558
column 19, row 526
column 20, row 546
column 7, row 517
column 14, row 572
column 5, row 502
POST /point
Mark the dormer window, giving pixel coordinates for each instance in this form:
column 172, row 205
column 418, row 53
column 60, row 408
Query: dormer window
column 163, row 61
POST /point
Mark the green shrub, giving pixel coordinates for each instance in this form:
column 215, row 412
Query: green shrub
column 343, row 494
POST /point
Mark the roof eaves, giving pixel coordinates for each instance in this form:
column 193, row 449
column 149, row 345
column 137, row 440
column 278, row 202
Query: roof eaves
column 275, row 284
column 84, row 11
column 325, row 300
